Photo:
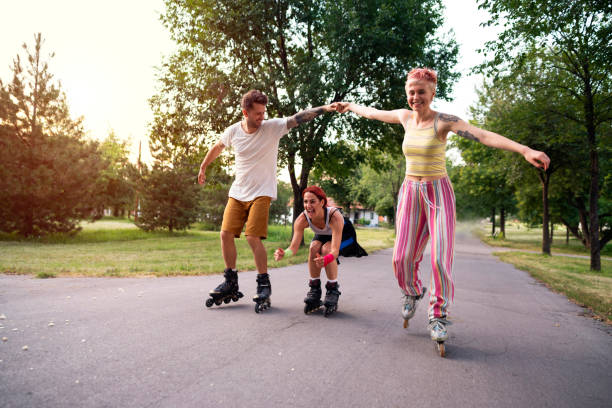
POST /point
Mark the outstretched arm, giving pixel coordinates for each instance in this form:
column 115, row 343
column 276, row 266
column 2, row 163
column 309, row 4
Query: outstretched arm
column 464, row 129
column 298, row 232
column 212, row 154
column 307, row 115
column 393, row 116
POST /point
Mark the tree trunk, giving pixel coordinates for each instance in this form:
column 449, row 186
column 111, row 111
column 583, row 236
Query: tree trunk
column 552, row 233
column 566, row 235
column 545, row 178
column 298, row 201
column 502, row 222
column 493, row 222
column 594, row 191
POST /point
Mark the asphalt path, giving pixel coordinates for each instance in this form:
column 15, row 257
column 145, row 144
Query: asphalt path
column 150, row 342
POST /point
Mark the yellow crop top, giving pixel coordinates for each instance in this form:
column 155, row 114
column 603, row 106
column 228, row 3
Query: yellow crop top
column 425, row 153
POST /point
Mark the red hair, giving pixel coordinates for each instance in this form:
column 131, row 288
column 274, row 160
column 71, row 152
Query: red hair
column 318, row 191
column 423, row 74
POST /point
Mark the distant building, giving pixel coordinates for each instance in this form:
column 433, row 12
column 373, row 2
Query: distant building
column 357, row 214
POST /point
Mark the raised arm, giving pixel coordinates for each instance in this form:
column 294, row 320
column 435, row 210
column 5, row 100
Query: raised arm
column 393, row 116
column 307, row 115
column 299, row 226
column 464, row 129
column 212, row 154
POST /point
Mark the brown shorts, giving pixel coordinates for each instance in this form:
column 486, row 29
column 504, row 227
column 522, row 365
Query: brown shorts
column 255, row 213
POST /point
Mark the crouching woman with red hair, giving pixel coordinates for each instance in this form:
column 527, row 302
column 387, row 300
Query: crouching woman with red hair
column 334, row 236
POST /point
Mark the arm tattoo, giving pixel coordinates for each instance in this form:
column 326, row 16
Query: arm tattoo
column 307, row 115
column 467, row 135
column 449, row 118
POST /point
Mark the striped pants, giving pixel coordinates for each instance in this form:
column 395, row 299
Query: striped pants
column 426, row 209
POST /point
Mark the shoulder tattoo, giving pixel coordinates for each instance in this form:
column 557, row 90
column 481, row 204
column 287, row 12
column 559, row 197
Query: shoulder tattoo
column 467, row 135
column 445, row 117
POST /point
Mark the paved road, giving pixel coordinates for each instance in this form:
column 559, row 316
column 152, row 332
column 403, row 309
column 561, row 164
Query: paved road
column 149, row 342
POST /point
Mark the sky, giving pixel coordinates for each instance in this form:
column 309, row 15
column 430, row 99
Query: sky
column 106, row 54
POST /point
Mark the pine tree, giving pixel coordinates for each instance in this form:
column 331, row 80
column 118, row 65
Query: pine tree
column 48, row 173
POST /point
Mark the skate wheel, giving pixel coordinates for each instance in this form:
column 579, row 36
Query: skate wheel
column 239, row 295
column 329, row 311
column 256, row 308
column 227, row 300
column 235, row 298
column 218, row 302
column 209, row 302
column 406, row 323
column 441, row 349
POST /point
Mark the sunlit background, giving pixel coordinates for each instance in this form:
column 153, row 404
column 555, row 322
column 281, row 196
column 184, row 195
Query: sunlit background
column 106, row 54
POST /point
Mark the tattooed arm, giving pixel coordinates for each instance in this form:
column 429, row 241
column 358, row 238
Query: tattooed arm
column 393, row 116
column 464, row 129
column 307, row 115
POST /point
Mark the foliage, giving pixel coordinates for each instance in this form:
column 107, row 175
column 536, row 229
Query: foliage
column 169, row 198
column 279, row 209
column 115, row 189
column 48, row 172
column 302, row 53
column 567, row 39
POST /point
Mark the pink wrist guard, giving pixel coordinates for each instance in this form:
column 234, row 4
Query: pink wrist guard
column 327, row 259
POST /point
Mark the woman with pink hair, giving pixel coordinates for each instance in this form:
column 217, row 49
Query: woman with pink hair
column 426, row 201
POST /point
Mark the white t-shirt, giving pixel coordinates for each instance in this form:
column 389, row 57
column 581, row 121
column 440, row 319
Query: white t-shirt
column 256, row 156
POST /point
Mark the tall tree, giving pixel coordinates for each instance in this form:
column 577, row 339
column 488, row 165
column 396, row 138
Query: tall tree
column 573, row 37
column 301, row 53
column 48, row 171
column 115, row 190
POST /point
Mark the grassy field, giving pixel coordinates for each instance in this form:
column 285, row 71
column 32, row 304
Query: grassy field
column 115, row 247
column 568, row 275
column 519, row 236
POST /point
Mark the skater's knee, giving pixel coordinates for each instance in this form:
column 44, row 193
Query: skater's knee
column 325, row 249
column 253, row 240
column 315, row 248
column 227, row 236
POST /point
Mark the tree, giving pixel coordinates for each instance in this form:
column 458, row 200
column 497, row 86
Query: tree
column 169, row 198
column 302, row 53
column 573, row 37
column 115, row 190
column 48, row 172
column 279, row 209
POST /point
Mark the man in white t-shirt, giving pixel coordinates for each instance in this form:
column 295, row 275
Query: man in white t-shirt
column 255, row 142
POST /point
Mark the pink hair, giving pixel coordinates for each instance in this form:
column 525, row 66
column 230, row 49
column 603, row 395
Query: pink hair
column 424, row 74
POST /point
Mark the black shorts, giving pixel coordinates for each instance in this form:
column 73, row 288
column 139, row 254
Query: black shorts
column 322, row 238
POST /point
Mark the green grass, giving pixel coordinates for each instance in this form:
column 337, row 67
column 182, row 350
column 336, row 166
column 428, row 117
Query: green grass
column 570, row 276
column 116, row 248
column 519, row 236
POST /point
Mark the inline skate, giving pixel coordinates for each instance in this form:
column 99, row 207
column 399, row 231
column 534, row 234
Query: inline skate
column 410, row 305
column 439, row 333
column 331, row 298
column 313, row 297
column 226, row 291
column 264, row 290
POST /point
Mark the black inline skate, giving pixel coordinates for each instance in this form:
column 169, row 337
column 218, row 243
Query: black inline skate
column 313, row 297
column 331, row 297
column 264, row 290
column 226, row 291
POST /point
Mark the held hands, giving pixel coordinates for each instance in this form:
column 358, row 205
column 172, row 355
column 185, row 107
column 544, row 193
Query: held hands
column 340, row 107
column 537, row 158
